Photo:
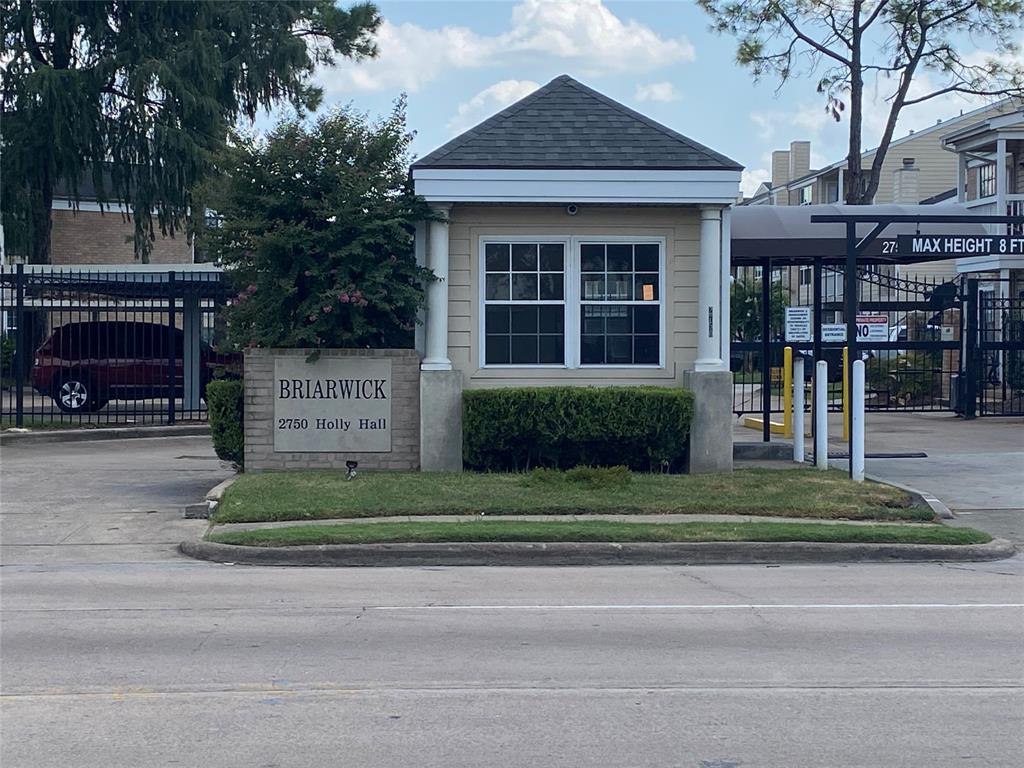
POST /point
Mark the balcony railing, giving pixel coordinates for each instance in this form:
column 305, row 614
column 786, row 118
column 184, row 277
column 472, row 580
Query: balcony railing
column 1015, row 207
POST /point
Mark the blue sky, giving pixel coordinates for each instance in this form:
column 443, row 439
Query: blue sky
column 460, row 62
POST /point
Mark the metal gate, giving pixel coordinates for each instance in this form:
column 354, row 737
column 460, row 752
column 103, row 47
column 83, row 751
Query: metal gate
column 993, row 371
column 913, row 364
column 103, row 346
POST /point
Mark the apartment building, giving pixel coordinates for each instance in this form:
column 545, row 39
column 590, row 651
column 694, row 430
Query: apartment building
column 919, row 168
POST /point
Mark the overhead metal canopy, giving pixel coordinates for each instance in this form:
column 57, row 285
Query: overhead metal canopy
column 786, row 235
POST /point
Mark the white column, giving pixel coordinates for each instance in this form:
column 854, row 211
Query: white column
column 961, row 177
column 437, row 295
column 726, row 299
column 821, row 414
column 709, row 293
column 857, row 417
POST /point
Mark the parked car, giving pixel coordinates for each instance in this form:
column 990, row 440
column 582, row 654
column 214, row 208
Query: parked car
column 83, row 366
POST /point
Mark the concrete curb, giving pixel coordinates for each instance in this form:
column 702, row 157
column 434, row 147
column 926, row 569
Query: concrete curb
column 113, row 433
column 566, row 553
column 217, row 492
column 921, row 497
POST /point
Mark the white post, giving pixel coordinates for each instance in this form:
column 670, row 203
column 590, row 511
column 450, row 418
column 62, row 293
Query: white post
column 798, row 409
column 821, row 415
column 709, row 311
column 437, row 296
column 857, row 417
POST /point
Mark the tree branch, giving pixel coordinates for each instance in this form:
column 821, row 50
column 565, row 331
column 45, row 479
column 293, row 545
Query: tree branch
column 31, row 44
column 874, row 15
column 812, row 42
column 1007, row 91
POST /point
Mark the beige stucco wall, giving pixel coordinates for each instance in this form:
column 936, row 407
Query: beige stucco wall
column 91, row 237
column 679, row 226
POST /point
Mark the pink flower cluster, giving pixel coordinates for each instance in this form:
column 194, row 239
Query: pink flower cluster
column 352, row 296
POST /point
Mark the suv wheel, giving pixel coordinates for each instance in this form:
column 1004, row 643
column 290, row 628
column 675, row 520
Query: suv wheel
column 74, row 394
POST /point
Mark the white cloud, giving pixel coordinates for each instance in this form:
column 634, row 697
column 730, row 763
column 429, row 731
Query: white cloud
column 752, row 178
column 582, row 33
column 663, row 91
column 765, row 125
column 489, row 101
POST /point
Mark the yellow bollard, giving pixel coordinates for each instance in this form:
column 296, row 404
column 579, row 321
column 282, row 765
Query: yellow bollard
column 787, row 392
column 846, row 393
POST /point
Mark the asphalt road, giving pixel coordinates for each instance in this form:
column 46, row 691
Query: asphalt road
column 120, row 653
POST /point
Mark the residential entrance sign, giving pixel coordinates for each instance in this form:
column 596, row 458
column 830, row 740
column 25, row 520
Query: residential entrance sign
column 332, row 405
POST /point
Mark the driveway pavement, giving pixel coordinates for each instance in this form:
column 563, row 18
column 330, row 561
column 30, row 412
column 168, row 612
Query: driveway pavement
column 109, row 501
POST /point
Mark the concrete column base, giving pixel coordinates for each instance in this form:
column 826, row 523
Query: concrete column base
column 711, row 431
column 440, row 421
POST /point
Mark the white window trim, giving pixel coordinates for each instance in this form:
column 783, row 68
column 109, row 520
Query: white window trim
column 572, row 301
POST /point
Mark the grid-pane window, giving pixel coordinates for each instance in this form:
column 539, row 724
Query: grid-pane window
column 987, row 180
column 524, row 303
column 620, row 304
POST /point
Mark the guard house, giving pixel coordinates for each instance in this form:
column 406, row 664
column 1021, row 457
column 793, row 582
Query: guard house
column 577, row 242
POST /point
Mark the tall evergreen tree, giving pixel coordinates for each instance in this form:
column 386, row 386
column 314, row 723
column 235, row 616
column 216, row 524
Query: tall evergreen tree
column 141, row 96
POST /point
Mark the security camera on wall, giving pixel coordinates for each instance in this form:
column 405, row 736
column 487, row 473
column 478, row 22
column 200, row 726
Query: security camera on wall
column 572, row 209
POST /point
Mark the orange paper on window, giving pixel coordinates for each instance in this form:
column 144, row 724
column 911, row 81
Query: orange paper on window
column 648, row 292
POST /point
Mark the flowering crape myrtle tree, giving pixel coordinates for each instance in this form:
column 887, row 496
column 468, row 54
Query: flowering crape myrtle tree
column 316, row 229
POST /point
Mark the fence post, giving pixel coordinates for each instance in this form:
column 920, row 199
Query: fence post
column 20, row 346
column 171, row 351
column 821, row 414
column 798, row 409
column 972, row 354
column 787, row 392
column 857, row 417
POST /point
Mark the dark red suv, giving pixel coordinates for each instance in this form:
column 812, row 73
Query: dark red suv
column 83, row 366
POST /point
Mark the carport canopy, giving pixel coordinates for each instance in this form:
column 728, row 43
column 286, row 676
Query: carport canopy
column 786, row 235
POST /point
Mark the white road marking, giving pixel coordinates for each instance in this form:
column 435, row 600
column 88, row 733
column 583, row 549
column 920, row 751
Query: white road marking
column 699, row 607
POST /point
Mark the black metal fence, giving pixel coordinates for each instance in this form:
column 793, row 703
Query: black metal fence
column 100, row 347
column 993, row 379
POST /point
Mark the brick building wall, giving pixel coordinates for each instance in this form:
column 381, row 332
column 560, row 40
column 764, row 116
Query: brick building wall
column 259, row 414
column 91, row 237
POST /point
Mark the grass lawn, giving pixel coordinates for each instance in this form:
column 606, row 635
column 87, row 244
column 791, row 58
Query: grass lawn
column 789, row 493
column 597, row 531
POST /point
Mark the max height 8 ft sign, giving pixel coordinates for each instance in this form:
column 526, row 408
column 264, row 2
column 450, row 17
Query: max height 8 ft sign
column 959, row 245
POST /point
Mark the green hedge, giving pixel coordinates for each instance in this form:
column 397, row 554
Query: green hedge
column 225, row 403
column 644, row 428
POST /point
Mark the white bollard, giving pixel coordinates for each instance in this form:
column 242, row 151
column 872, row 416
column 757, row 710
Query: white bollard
column 857, row 417
column 821, row 415
column 798, row 409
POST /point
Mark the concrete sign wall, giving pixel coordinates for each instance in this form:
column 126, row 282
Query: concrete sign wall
column 350, row 405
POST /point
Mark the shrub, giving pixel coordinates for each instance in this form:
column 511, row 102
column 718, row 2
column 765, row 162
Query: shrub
column 642, row 428
column 225, row 403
